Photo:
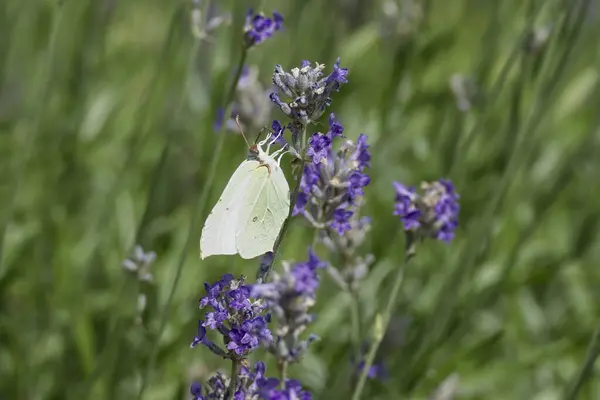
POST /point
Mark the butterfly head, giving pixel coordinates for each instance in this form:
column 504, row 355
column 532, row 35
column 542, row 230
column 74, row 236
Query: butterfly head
column 253, row 152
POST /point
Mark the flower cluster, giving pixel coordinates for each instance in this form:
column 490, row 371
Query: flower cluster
column 138, row 265
column 333, row 183
column 309, row 91
column 251, row 385
column 289, row 296
column 433, row 213
column 202, row 26
column 259, row 28
column 354, row 266
column 237, row 317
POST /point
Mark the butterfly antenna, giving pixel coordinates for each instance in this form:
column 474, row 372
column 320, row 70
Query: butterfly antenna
column 237, row 121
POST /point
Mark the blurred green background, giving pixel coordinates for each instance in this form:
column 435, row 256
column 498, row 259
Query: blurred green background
column 106, row 141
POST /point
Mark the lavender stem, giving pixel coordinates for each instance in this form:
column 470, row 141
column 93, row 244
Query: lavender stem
column 282, row 373
column 410, row 252
column 235, row 366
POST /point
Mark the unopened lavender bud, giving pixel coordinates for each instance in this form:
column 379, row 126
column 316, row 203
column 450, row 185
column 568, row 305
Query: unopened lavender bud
column 282, row 106
column 302, row 83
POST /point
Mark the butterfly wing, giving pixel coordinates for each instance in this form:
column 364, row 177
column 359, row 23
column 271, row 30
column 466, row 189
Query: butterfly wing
column 267, row 205
column 219, row 232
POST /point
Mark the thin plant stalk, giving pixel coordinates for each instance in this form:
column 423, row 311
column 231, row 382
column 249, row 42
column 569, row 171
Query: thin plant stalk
column 198, row 209
column 355, row 321
column 43, row 92
column 386, row 317
column 282, row 372
column 587, row 367
column 235, row 366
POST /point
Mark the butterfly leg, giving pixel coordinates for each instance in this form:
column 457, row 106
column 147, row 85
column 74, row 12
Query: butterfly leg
column 280, row 155
column 275, row 153
column 275, row 137
column 261, row 143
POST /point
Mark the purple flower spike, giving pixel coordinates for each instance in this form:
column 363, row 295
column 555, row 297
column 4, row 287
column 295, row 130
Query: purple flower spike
column 235, row 315
column 259, row 28
column 289, row 296
column 433, row 214
column 333, row 185
column 292, row 390
column 309, row 92
column 251, row 384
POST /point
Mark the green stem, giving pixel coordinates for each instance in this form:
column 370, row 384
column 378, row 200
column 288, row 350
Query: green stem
column 42, row 92
column 355, row 320
column 587, row 368
column 198, row 209
column 386, row 317
column 235, row 366
column 263, row 274
column 282, row 373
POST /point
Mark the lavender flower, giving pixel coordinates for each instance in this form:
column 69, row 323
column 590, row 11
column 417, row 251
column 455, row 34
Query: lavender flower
column 292, row 390
column 139, row 263
column 251, row 385
column 289, row 296
column 309, row 91
column 355, row 266
column 239, row 319
column 251, row 103
column 399, row 20
column 433, row 213
column 259, row 28
column 196, row 391
column 332, row 184
column 202, row 27
column 376, row 371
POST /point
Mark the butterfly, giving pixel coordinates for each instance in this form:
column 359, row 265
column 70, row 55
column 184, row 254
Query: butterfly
column 253, row 207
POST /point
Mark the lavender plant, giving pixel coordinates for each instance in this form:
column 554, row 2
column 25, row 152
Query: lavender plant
column 434, row 213
column 430, row 214
column 289, row 296
column 310, row 94
column 240, row 314
column 329, row 193
column 203, row 27
column 257, row 29
column 250, row 385
column 138, row 265
column 240, row 319
column 251, row 105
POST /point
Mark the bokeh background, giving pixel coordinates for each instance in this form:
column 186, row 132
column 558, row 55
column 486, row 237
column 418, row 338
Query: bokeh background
column 107, row 112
